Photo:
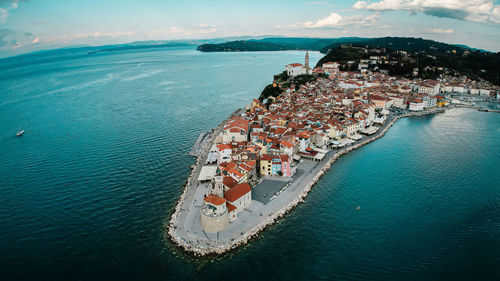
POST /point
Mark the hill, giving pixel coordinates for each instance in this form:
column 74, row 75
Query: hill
column 325, row 44
column 274, row 44
column 416, row 57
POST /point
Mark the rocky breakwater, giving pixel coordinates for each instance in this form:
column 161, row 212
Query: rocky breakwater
column 211, row 249
column 188, row 188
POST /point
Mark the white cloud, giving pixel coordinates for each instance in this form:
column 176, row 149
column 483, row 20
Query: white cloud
column 4, row 13
column 206, row 25
column 336, row 20
column 470, row 10
column 441, row 31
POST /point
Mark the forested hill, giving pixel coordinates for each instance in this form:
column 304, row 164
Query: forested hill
column 408, row 44
column 323, row 45
column 430, row 58
column 274, row 44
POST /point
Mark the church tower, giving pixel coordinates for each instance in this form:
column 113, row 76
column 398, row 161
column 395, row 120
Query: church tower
column 306, row 64
column 217, row 187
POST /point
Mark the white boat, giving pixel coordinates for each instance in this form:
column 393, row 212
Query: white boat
column 19, row 133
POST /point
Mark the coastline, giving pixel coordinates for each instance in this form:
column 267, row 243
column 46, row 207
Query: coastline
column 255, row 230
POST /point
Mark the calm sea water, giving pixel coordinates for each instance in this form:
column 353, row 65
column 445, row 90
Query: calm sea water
column 85, row 193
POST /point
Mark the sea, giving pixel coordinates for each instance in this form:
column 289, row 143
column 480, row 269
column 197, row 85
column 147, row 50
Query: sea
column 86, row 192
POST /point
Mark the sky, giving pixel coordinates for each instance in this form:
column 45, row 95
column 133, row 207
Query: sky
column 32, row 25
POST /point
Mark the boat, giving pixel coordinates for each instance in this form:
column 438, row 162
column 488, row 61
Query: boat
column 19, row 133
column 358, row 208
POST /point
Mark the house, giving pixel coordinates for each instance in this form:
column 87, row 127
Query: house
column 429, row 101
column 235, row 129
column 286, row 168
column 287, row 147
column 224, row 151
column 330, row 68
column 295, row 69
column 265, row 165
column 276, row 166
column 416, row 105
column 484, row 92
column 304, row 141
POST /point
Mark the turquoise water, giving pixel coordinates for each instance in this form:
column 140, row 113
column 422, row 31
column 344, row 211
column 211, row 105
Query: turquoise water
column 85, row 192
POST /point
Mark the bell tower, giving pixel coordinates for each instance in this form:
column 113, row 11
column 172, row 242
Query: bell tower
column 306, row 63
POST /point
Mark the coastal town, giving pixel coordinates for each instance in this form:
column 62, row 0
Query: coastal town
column 262, row 161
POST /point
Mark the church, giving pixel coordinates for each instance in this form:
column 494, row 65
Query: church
column 295, row 69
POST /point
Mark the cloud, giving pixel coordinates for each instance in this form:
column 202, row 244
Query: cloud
column 206, row 25
column 28, row 34
column 335, row 20
column 469, row 10
column 441, row 31
column 4, row 12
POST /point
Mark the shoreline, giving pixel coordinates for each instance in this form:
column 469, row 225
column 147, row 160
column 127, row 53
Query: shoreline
column 258, row 228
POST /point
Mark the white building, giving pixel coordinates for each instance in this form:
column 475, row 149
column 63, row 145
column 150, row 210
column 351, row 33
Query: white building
column 484, row 92
column 416, row 105
column 224, row 152
column 304, row 141
column 295, row 69
column 398, row 101
column 429, row 101
column 473, row 91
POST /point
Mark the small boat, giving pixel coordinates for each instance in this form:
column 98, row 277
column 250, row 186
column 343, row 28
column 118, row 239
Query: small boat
column 358, row 208
column 19, row 133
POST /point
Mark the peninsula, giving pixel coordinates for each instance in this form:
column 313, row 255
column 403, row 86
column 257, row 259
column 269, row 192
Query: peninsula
column 263, row 160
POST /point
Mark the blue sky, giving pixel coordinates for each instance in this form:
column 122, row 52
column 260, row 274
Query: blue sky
column 32, row 25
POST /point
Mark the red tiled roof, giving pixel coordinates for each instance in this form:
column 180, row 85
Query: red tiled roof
column 237, row 191
column 229, row 182
column 223, row 146
column 284, row 158
column 230, row 207
column 286, row 144
column 216, row 200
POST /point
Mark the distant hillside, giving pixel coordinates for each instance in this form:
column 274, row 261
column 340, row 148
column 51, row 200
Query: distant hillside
column 408, row 44
column 273, row 44
column 323, row 45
